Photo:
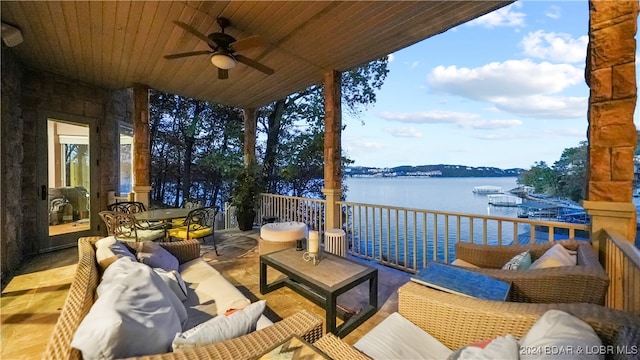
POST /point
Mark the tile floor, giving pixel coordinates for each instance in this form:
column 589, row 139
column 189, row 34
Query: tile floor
column 31, row 301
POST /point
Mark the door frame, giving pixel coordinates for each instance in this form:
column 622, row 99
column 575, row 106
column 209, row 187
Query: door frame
column 45, row 242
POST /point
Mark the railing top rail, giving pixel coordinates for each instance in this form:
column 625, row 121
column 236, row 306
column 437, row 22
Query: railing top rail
column 479, row 216
column 292, row 197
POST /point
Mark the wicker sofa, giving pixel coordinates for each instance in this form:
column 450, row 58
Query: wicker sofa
column 457, row 321
column 587, row 282
column 82, row 296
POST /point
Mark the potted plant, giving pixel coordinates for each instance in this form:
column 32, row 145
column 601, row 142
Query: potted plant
column 245, row 193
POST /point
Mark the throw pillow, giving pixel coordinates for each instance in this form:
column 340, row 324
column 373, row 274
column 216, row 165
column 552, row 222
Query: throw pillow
column 108, row 250
column 520, row 262
column 135, row 315
column 502, row 347
column 174, row 280
column 462, row 263
column 220, row 328
column 556, row 256
column 154, row 255
column 560, row 335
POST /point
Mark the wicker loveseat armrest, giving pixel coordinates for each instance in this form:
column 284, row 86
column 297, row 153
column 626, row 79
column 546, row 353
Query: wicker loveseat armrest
column 457, row 321
column 337, row 349
column 303, row 324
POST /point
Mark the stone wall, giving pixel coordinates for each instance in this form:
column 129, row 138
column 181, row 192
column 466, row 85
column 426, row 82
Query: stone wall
column 611, row 75
column 11, row 131
column 26, row 95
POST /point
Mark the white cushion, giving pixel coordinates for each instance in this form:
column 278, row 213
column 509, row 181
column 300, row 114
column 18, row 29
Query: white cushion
column 112, row 329
column 154, row 255
column 108, row 250
column 221, row 328
column 463, row 263
column 398, row 338
column 174, row 280
column 210, row 293
column 563, row 332
column 556, row 256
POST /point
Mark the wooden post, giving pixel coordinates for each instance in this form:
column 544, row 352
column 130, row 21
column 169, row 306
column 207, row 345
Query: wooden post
column 141, row 144
column 611, row 76
column 250, row 124
column 332, row 148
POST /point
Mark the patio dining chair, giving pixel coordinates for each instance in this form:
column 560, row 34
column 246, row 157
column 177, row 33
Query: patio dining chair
column 132, row 207
column 198, row 224
column 188, row 203
column 125, row 227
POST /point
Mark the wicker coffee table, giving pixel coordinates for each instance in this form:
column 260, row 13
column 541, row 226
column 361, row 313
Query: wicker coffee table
column 322, row 283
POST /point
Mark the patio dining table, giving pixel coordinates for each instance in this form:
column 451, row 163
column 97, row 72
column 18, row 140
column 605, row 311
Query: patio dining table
column 162, row 214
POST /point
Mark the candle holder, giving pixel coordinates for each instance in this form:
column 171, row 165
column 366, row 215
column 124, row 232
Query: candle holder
column 309, row 256
column 299, row 246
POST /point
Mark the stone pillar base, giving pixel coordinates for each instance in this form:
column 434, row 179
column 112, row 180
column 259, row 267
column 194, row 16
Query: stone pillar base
column 142, row 194
column 332, row 210
column 620, row 217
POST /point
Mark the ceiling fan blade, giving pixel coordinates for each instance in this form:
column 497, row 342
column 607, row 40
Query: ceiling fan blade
column 223, row 74
column 254, row 64
column 191, row 53
column 248, row 43
column 196, row 33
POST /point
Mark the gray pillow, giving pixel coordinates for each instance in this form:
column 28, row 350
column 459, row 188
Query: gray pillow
column 154, row 255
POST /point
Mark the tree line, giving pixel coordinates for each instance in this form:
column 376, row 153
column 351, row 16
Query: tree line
column 197, row 146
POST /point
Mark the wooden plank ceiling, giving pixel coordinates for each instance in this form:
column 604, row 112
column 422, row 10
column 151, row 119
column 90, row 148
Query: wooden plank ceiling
column 115, row 44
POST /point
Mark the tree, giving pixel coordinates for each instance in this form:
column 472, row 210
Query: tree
column 541, row 177
column 571, row 172
column 294, row 129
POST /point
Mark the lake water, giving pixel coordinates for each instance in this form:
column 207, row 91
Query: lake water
column 445, row 194
column 368, row 229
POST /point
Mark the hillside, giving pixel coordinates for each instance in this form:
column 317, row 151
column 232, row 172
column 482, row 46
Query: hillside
column 440, row 170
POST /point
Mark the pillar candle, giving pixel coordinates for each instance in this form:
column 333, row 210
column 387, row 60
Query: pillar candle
column 313, row 246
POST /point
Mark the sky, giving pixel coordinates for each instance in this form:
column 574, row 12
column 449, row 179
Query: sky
column 504, row 90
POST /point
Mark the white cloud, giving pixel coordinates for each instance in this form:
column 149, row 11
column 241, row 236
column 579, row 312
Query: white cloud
column 391, row 57
column 558, row 47
column 429, row 117
column 512, row 78
column 553, row 12
column 460, row 119
column 545, row 106
column 506, row 16
column 490, row 124
column 360, row 145
column 414, row 64
column 404, row 132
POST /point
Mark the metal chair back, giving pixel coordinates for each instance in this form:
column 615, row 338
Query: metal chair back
column 128, row 207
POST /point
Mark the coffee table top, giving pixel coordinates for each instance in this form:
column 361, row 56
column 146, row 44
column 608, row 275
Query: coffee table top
column 332, row 271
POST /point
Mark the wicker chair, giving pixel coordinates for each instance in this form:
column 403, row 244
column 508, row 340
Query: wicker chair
column 83, row 292
column 457, row 321
column 587, row 282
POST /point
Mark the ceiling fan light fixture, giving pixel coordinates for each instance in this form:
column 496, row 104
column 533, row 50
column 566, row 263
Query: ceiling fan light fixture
column 223, row 61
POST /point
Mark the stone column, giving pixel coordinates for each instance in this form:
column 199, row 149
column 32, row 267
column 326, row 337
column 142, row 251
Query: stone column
column 250, row 123
column 141, row 144
column 332, row 148
column 611, row 76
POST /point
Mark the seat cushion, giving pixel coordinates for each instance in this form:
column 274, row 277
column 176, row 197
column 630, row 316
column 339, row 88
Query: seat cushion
column 398, row 338
column 181, row 232
column 210, row 294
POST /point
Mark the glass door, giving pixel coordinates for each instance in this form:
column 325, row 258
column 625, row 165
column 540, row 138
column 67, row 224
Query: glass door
column 70, row 183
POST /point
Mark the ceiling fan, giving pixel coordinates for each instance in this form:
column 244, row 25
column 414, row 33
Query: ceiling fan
column 224, row 49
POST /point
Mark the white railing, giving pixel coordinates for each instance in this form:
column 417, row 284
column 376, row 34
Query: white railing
column 408, row 239
column 229, row 214
column 290, row 208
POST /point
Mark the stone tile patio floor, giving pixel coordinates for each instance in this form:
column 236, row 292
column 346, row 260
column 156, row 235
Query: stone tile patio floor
column 32, row 299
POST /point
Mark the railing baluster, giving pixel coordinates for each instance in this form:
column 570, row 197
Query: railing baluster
column 446, row 238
